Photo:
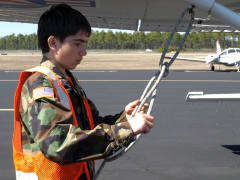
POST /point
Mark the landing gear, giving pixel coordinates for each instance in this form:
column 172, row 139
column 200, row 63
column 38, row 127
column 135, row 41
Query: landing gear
column 212, row 68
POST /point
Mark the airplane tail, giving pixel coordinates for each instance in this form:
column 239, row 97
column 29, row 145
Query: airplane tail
column 218, row 47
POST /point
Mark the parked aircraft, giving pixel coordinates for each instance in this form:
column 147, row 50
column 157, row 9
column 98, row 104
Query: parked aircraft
column 228, row 57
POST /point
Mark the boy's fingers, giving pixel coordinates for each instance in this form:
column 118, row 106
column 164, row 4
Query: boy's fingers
column 135, row 103
column 145, row 107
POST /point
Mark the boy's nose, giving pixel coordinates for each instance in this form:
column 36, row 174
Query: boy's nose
column 83, row 51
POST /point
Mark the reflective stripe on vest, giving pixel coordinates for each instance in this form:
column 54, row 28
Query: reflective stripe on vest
column 39, row 167
column 56, row 83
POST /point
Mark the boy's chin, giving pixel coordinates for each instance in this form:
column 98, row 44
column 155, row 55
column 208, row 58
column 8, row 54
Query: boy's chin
column 71, row 67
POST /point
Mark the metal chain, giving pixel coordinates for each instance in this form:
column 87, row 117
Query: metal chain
column 151, row 88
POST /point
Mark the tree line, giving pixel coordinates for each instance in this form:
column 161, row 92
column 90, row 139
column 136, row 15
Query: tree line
column 136, row 40
column 19, row 42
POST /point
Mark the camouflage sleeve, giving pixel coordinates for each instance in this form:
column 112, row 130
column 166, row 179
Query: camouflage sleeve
column 48, row 127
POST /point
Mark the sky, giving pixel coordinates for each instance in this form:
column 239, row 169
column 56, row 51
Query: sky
column 8, row 28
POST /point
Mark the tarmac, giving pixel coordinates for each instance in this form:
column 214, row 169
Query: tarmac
column 190, row 141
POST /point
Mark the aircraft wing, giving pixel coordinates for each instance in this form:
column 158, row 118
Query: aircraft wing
column 145, row 15
column 211, row 58
column 188, row 59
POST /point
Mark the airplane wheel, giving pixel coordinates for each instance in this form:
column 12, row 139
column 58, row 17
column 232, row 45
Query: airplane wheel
column 212, row 68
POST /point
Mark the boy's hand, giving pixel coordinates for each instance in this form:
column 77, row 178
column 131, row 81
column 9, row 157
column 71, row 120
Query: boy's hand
column 131, row 106
column 140, row 123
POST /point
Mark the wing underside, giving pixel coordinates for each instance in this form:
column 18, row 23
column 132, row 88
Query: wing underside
column 145, row 15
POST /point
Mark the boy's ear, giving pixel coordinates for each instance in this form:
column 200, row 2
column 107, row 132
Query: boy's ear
column 52, row 43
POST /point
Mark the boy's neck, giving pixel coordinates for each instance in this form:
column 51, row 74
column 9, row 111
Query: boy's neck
column 52, row 59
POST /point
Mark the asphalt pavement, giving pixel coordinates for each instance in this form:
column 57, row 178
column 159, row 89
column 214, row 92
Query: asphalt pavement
column 199, row 140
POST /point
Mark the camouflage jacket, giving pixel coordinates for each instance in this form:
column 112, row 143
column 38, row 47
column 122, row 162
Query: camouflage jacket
column 47, row 124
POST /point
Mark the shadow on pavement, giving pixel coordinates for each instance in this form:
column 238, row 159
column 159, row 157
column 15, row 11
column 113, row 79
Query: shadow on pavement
column 234, row 148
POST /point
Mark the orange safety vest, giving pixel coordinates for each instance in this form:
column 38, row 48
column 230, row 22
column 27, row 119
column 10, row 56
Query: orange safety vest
column 38, row 167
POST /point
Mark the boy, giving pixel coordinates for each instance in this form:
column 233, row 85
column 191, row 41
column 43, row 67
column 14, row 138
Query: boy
column 58, row 131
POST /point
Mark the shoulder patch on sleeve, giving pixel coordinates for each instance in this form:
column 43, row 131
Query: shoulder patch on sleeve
column 43, row 92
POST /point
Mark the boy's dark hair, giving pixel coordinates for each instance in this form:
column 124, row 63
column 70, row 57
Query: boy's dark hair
column 60, row 21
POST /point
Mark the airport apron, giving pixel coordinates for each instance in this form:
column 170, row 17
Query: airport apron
column 38, row 167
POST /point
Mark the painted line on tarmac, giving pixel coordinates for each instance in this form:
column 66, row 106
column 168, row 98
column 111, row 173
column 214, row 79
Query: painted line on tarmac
column 123, row 80
column 237, row 81
column 12, row 71
column 203, row 80
column 2, row 80
column 9, row 71
column 94, row 71
column 6, row 110
column 187, row 71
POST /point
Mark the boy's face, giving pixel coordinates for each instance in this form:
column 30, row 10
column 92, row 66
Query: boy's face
column 70, row 52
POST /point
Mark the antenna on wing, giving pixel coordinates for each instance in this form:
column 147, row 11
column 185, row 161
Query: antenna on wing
column 139, row 25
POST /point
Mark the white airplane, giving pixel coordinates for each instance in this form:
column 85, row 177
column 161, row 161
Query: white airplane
column 228, row 57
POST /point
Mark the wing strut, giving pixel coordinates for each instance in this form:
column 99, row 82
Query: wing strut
column 151, row 89
column 217, row 10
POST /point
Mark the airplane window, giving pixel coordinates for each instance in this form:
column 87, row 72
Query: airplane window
column 223, row 53
column 231, row 51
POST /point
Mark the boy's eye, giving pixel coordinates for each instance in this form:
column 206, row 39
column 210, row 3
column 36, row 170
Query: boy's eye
column 77, row 44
